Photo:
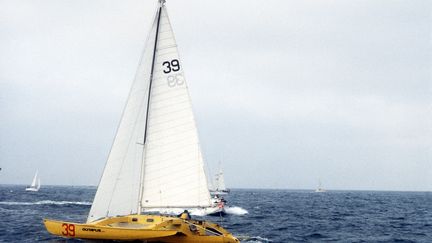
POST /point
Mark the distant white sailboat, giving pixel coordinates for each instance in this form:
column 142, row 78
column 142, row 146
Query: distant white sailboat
column 320, row 189
column 217, row 190
column 218, row 187
column 35, row 186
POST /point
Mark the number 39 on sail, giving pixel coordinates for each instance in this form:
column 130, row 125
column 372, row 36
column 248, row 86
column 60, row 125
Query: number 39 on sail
column 155, row 160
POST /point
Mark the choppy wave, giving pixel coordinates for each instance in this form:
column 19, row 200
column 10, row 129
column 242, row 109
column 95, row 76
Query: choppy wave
column 342, row 216
column 198, row 211
column 45, row 202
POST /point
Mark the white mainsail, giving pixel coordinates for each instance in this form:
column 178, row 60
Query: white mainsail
column 33, row 184
column 220, row 181
column 155, row 160
column 174, row 169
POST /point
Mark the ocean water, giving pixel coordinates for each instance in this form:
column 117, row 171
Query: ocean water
column 273, row 215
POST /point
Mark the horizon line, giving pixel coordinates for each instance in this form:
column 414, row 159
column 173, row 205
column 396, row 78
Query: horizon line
column 252, row 188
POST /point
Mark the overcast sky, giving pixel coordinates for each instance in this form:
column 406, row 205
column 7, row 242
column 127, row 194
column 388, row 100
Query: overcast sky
column 285, row 92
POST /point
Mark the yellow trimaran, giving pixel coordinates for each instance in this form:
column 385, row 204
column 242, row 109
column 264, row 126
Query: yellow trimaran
column 155, row 160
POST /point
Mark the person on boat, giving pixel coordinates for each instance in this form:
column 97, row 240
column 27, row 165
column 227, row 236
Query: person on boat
column 185, row 215
column 221, row 204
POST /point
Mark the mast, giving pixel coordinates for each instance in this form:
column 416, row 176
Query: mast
column 161, row 4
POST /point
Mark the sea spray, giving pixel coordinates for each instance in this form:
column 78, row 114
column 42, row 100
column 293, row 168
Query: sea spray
column 236, row 210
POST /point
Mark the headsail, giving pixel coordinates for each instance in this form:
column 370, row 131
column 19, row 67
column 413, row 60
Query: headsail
column 168, row 170
column 118, row 189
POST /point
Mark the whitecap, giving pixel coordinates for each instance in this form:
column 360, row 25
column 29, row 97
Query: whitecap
column 254, row 239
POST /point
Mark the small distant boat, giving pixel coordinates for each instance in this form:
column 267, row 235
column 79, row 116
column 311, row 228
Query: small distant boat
column 320, row 189
column 35, row 186
column 218, row 207
column 219, row 187
column 217, row 190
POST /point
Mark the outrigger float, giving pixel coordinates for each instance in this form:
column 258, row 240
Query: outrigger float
column 155, row 160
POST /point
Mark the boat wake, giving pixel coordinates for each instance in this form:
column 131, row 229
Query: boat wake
column 46, row 202
column 236, row 210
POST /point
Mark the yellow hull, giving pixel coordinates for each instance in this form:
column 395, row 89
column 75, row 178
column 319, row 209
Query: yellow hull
column 151, row 228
